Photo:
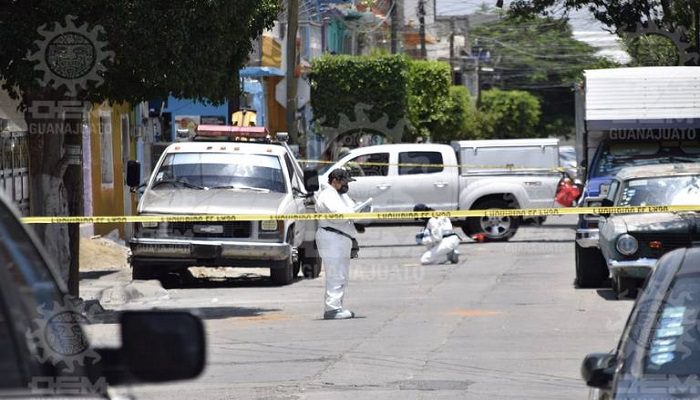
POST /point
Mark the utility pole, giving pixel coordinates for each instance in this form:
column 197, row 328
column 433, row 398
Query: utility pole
column 421, row 31
column 452, row 48
column 292, row 26
column 395, row 26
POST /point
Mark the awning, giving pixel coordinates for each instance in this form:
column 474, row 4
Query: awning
column 255, row 72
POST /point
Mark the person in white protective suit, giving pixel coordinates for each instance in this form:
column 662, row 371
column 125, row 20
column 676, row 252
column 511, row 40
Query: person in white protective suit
column 335, row 239
column 439, row 238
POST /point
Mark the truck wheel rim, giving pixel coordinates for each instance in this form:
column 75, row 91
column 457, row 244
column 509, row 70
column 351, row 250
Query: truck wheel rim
column 495, row 226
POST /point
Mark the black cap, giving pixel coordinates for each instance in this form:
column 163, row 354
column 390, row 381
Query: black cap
column 421, row 207
column 340, row 174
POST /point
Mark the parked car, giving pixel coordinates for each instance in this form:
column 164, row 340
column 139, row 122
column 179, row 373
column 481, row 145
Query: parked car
column 610, row 158
column 514, row 173
column 632, row 243
column 45, row 352
column 658, row 354
column 226, row 170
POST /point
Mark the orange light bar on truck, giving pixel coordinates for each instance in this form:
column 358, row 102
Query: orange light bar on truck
column 232, row 131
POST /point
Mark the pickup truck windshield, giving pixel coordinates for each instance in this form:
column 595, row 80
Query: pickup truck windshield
column 221, row 171
column 616, row 156
column 679, row 190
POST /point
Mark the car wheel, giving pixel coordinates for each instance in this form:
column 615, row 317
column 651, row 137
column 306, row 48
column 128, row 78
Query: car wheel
column 282, row 272
column 493, row 229
column 591, row 270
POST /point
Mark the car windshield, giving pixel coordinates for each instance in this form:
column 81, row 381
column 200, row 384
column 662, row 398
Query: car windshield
column 619, row 155
column 674, row 343
column 677, row 190
column 221, row 171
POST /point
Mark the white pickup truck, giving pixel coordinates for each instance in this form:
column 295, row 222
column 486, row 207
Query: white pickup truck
column 468, row 175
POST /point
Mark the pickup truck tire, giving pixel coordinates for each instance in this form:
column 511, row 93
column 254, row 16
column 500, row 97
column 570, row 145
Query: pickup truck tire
column 591, row 269
column 282, row 273
column 493, row 229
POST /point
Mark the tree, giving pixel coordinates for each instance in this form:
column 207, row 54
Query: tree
column 673, row 17
column 429, row 96
column 187, row 48
column 539, row 55
column 509, row 114
column 461, row 122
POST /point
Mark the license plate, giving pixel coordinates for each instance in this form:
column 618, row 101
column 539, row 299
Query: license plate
column 214, row 229
column 163, row 249
column 206, row 251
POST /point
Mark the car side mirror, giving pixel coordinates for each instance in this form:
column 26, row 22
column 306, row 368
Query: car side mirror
column 311, row 181
column 157, row 346
column 606, row 203
column 133, row 173
column 598, row 370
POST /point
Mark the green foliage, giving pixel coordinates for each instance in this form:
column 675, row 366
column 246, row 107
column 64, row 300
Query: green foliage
column 623, row 16
column 509, row 114
column 533, row 52
column 462, row 122
column 541, row 56
column 651, row 50
column 338, row 83
column 190, row 48
column 429, row 97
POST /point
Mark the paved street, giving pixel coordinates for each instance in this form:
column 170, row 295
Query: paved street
column 504, row 323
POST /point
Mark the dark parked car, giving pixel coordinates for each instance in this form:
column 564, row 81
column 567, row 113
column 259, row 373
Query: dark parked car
column 658, row 355
column 632, row 243
column 45, row 352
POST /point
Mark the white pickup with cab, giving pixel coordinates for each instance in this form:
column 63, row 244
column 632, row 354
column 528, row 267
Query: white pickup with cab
column 468, row 175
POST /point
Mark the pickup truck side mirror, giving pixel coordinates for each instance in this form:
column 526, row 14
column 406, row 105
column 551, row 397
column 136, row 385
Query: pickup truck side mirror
column 133, row 173
column 311, row 181
column 157, row 346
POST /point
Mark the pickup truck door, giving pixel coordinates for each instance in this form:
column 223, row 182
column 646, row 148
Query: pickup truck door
column 371, row 173
column 300, row 203
column 434, row 185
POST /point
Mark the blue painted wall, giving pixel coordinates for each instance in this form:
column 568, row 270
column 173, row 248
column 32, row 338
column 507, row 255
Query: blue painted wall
column 189, row 107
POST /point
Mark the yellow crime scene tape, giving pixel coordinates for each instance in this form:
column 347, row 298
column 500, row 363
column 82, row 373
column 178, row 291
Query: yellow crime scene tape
column 362, row 216
column 473, row 166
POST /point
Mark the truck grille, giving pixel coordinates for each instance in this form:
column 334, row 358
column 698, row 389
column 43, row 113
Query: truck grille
column 227, row 229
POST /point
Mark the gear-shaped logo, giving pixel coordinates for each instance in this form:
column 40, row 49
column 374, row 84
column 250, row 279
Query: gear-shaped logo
column 676, row 36
column 70, row 55
column 58, row 336
column 362, row 124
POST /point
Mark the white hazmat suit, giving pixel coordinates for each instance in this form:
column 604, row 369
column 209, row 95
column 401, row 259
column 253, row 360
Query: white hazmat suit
column 334, row 247
column 441, row 241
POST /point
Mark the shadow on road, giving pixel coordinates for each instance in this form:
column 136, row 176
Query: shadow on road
column 187, row 281
column 610, row 295
column 206, row 313
column 96, row 274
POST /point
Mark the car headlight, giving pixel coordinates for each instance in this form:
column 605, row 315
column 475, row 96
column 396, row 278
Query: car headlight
column 269, row 225
column 627, row 244
column 149, row 225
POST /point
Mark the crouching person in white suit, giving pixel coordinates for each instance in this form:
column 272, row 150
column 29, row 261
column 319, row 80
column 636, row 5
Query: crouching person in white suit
column 439, row 238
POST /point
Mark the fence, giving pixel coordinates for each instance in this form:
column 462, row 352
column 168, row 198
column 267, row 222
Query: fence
column 14, row 168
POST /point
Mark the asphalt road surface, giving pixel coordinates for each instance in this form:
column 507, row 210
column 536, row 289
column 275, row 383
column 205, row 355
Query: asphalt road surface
column 504, row 323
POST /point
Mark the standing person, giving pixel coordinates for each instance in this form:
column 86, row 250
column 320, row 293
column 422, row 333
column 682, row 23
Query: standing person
column 439, row 238
column 335, row 239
